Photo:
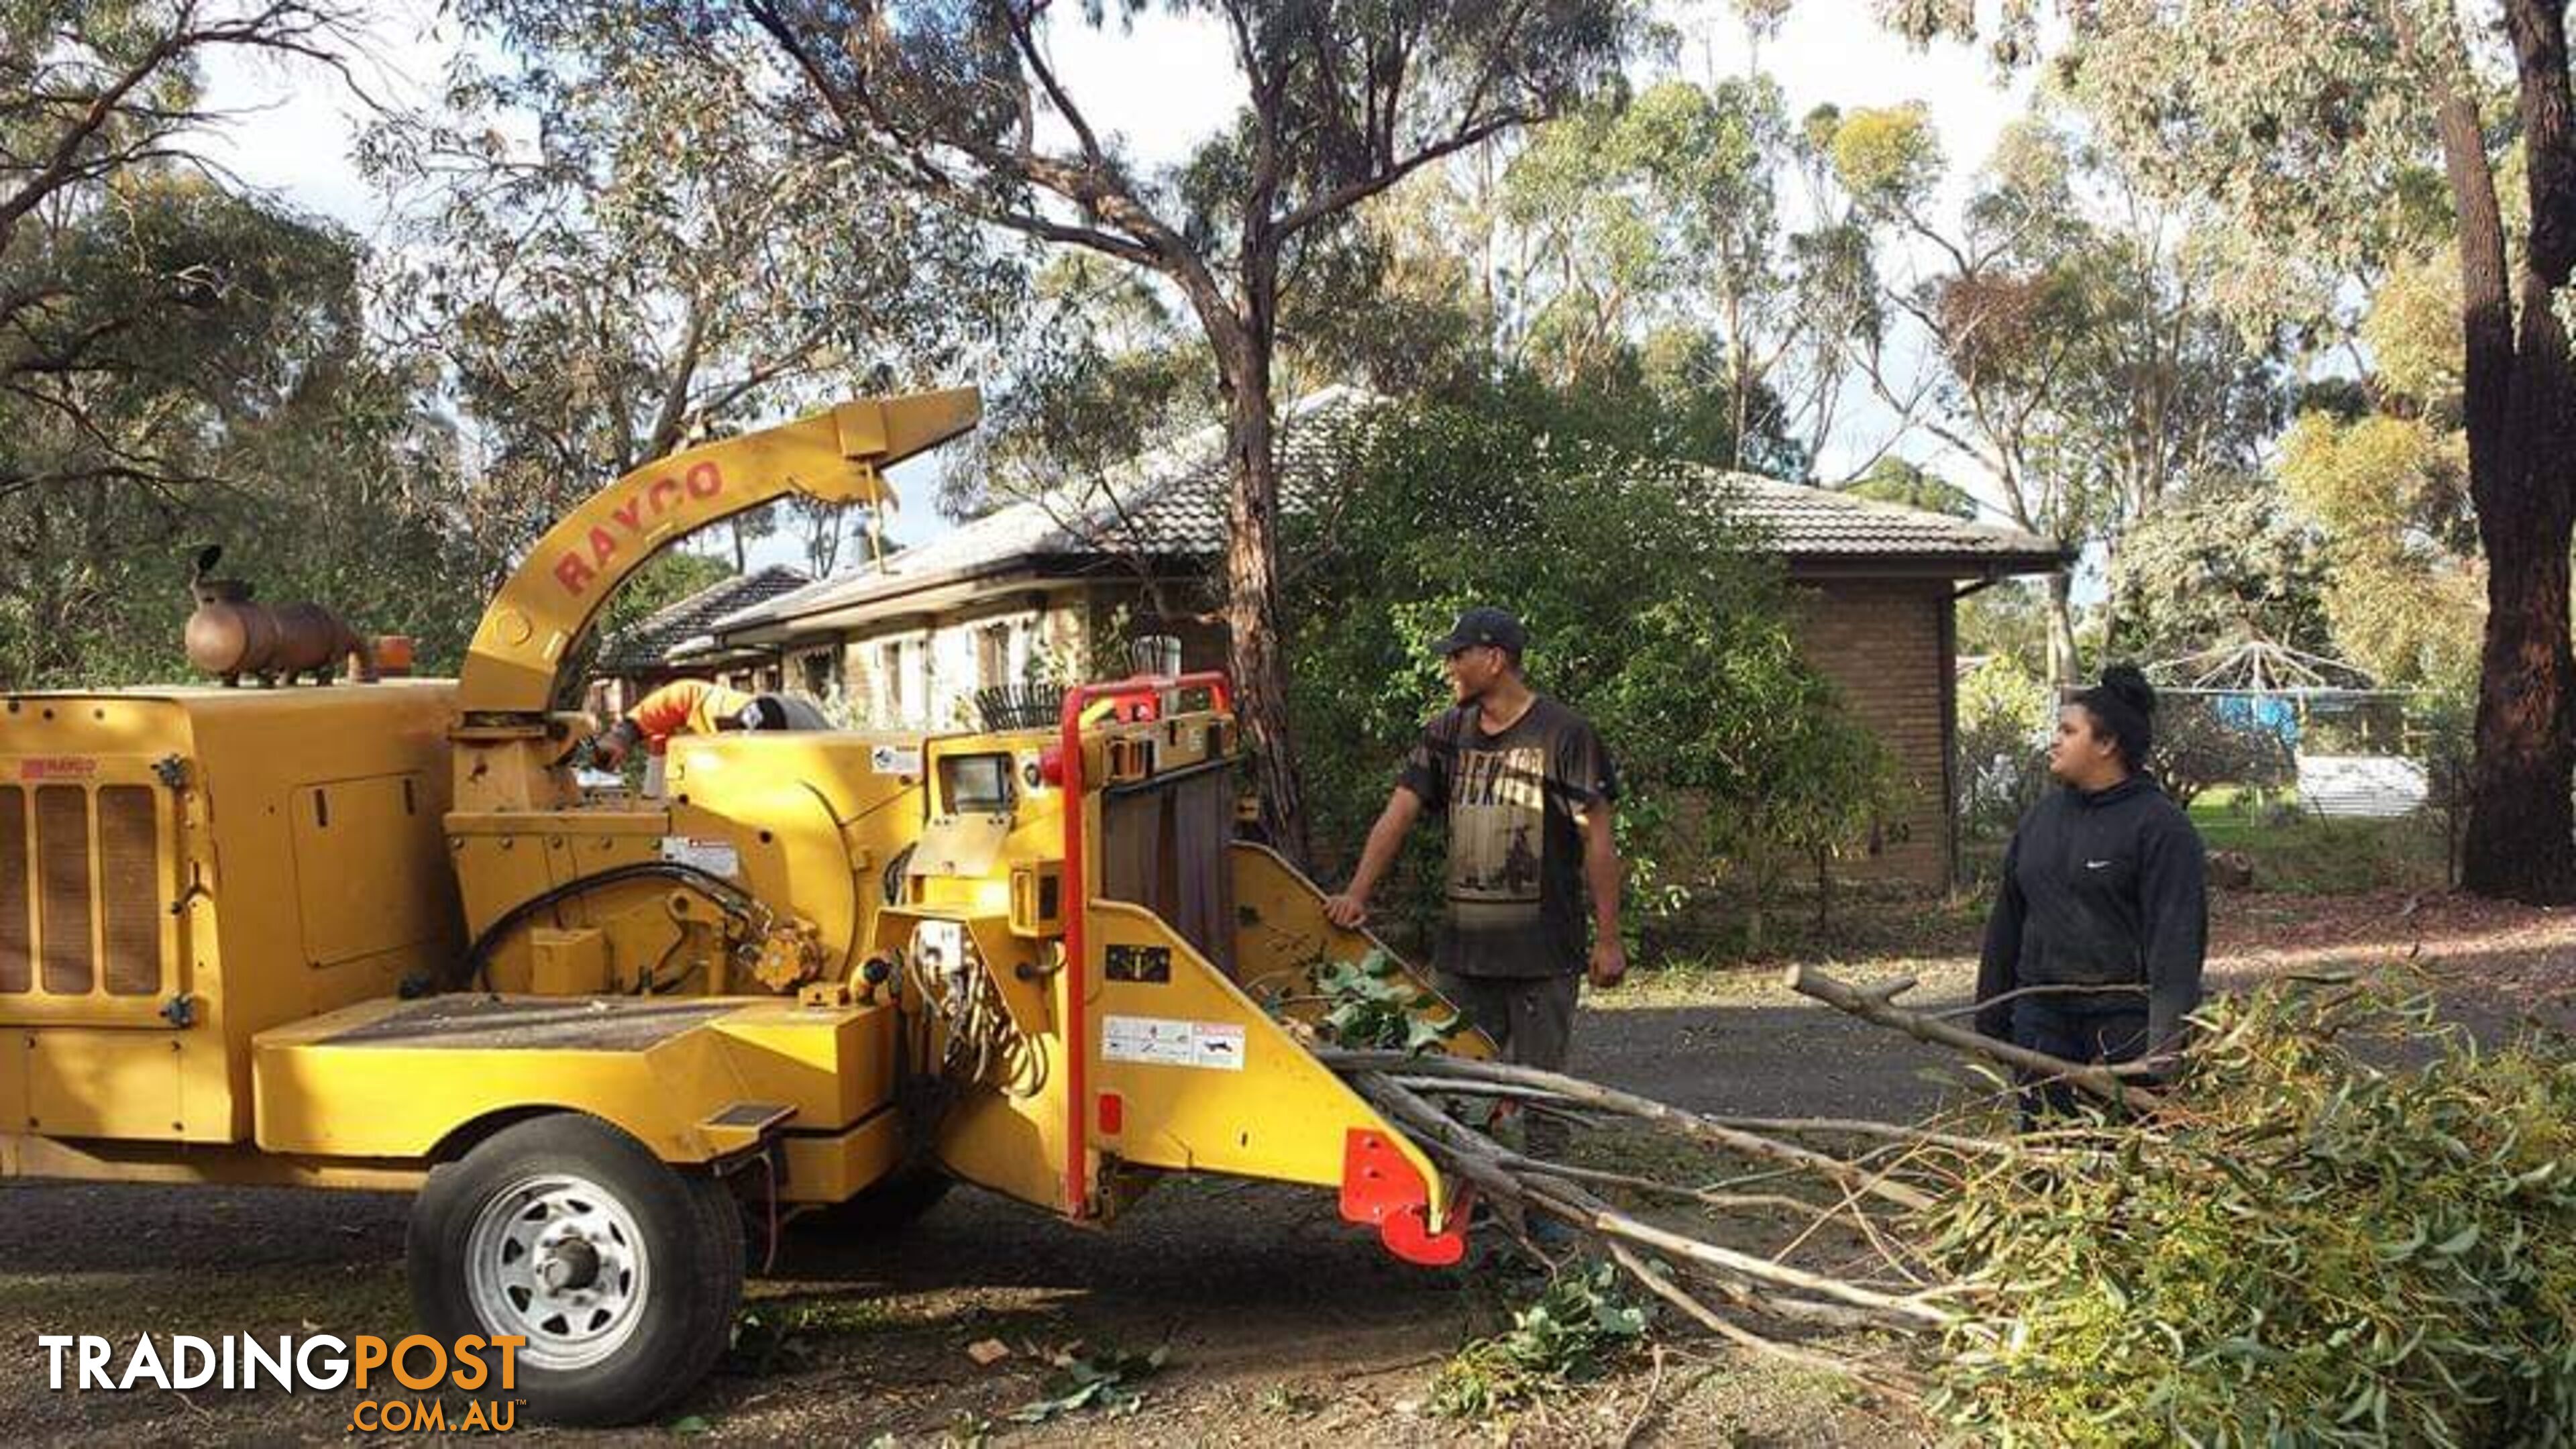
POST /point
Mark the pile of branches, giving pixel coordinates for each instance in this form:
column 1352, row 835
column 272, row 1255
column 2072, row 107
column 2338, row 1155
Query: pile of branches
column 2339, row 1223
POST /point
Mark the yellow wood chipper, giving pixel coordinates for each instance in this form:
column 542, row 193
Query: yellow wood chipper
column 378, row 935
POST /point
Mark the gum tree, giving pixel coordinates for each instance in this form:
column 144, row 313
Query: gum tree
column 963, row 102
column 2325, row 138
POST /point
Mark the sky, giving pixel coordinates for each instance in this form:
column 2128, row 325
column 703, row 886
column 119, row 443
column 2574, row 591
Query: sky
column 1161, row 86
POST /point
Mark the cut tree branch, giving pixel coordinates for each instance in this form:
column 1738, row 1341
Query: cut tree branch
column 2096, row 1080
column 1593, row 1094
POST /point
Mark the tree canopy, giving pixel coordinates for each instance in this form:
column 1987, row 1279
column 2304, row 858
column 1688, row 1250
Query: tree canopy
column 182, row 362
column 2329, row 144
column 963, row 104
column 1649, row 605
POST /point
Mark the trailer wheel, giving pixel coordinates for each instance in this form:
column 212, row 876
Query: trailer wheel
column 621, row 1274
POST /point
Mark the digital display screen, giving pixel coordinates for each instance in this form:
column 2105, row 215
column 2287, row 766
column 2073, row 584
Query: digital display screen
column 976, row 784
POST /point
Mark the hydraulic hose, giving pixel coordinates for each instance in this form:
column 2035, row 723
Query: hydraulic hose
column 475, row 966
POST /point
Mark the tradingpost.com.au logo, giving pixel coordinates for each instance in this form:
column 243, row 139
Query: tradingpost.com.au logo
column 242, row 1362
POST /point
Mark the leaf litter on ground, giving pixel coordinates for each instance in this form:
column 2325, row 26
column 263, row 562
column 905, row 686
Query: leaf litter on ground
column 1086, row 1378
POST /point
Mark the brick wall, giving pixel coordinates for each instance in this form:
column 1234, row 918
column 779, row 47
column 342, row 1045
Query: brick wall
column 1887, row 646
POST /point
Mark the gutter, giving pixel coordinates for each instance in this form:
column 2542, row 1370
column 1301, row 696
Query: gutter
column 1987, row 567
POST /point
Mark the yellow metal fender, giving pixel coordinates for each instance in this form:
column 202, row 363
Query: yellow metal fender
column 695, row 1080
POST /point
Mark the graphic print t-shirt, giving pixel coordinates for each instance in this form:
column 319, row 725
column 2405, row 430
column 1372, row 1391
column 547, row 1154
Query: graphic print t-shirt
column 1515, row 887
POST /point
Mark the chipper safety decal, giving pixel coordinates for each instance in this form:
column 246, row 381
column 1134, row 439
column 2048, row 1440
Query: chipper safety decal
column 1165, row 1042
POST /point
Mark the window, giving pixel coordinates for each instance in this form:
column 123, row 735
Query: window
column 816, row 673
column 889, row 708
column 993, row 655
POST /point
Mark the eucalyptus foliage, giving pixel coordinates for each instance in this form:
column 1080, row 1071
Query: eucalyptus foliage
column 184, row 362
column 1372, row 1004
column 2314, row 1246
column 1573, row 1332
column 2005, row 716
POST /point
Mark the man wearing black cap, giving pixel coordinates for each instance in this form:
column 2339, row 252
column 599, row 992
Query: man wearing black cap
column 2093, row 952
column 1526, row 787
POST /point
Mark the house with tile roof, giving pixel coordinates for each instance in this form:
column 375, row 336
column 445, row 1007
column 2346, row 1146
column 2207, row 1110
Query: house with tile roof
column 651, row 651
column 1036, row 588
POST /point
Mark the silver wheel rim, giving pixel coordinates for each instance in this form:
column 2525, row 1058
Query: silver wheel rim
column 557, row 1259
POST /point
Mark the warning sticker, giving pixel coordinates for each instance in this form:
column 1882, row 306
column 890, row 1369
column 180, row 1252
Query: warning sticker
column 715, row 857
column 1163, row 1042
column 895, row 759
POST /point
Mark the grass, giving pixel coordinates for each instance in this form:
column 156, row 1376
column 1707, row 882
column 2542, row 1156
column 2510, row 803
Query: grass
column 1863, row 919
column 1942, row 963
column 2309, row 855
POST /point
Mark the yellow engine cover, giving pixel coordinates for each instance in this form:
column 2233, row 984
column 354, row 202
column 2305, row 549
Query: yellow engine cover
column 183, row 868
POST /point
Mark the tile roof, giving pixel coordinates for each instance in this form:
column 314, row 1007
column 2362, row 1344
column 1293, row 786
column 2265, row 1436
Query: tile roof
column 1807, row 522
column 650, row 641
column 1171, row 503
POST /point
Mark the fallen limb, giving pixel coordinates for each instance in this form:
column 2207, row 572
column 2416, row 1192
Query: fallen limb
column 1452, row 1086
column 1586, row 1210
column 1705, row 1197
column 2097, row 1081
column 2036, row 1293
column 1480, row 1162
column 1862, row 1127
column 1455, row 1086
column 1736, row 1333
column 1592, row 1094
column 1952, row 1013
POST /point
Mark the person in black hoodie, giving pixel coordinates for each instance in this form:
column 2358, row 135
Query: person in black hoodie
column 2104, row 885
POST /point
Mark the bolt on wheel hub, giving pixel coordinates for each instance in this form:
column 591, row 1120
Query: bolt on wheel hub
column 558, row 1260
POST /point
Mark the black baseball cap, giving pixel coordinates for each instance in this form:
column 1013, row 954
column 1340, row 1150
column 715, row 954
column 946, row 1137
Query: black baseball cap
column 1483, row 624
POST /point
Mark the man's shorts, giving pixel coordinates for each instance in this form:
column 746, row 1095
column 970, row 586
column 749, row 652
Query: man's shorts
column 1530, row 1017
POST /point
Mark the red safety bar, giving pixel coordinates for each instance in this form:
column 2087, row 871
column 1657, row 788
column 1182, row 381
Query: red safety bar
column 1146, row 692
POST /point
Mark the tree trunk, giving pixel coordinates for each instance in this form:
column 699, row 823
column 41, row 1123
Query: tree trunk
column 2519, row 394
column 2111, row 605
column 1758, row 877
column 2063, row 665
column 1253, row 653
column 2521, row 842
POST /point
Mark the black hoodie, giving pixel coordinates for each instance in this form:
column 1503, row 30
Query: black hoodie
column 2099, row 889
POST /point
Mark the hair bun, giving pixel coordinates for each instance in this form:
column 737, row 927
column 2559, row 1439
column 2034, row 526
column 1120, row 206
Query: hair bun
column 2131, row 687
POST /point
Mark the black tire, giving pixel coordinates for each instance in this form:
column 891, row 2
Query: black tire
column 660, row 1307
column 882, row 1207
